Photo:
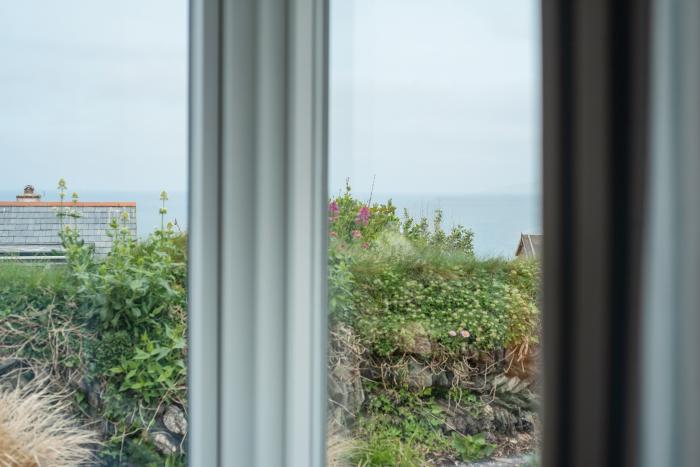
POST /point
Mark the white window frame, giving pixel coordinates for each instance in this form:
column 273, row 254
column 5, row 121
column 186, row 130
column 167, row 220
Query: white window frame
column 258, row 189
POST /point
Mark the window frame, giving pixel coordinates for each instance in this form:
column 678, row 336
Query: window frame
column 257, row 268
column 257, row 272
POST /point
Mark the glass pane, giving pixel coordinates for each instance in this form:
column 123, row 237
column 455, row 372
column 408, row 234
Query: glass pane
column 434, row 232
column 93, row 212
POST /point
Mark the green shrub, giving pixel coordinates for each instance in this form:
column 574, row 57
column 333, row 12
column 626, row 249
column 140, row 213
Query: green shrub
column 155, row 368
column 353, row 222
column 494, row 301
column 390, row 279
column 136, row 285
column 459, row 239
column 137, row 295
column 399, row 413
column 472, row 448
column 398, row 285
column 25, row 287
column 379, row 451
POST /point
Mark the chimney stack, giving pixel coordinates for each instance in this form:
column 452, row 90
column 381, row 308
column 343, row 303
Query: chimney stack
column 29, row 196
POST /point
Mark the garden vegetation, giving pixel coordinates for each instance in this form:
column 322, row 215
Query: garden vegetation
column 431, row 350
column 428, row 356
column 109, row 332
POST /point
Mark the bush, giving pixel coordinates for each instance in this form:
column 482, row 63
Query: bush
column 472, row 448
column 380, row 451
column 114, row 327
column 137, row 295
column 415, row 296
column 25, row 287
column 458, row 302
column 390, row 280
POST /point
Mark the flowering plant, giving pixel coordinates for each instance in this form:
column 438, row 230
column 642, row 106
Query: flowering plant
column 352, row 221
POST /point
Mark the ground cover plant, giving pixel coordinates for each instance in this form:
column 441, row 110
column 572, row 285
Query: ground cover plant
column 431, row 347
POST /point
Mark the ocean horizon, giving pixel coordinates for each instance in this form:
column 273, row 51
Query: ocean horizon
column 497, row 220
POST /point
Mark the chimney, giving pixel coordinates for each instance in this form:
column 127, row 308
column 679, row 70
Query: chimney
column 28, row 196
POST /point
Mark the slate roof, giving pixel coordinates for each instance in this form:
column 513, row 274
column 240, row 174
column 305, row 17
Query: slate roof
column 27, row 227
column 530, row 246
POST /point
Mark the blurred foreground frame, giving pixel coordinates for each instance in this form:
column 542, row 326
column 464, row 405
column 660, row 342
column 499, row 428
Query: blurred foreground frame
column 596, row 57
column 257, row 268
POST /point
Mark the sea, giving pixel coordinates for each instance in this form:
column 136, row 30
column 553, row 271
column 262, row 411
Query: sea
column 497, row 220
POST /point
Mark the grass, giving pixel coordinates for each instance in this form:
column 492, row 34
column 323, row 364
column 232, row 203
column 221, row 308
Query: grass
column 24, row 286
column 36, row 428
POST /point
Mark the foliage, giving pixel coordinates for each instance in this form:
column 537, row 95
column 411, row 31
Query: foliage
column 116, row 323
column 139, row 453
column 407, row 277
column 446, row 294
column 401, row 426
column 353, row 222
column 136, row 285
column 37, row 287
column 396, row 284
column 380, row 451
column 459, row 239
column 137, row 295
column 120, row 322
column 156, row 367
column 472, row 448
column 410, row 416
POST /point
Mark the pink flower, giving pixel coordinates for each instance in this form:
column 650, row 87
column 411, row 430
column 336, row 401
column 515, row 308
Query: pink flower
column 362, row 216
column 334, row 234
column 334, row 210
column 365, row 245
column 452, row 333
column 464, row 333
column 356, row 234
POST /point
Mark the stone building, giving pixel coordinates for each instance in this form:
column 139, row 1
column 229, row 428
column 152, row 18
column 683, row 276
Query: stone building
column 29, row 226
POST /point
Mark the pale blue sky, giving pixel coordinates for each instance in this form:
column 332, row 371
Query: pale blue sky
column 94, row 91
column 435, row 96
column 431, row 96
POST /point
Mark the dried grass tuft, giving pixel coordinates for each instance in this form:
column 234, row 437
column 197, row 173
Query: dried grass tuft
column 339, row 450
column 37, row 430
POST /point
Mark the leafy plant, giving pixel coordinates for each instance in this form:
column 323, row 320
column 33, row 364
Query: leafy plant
column 354, row 223
column 386, row 279
column 461, row 302
column 397, row 284
column 156, row 367
column 381, row 451
column 408, row 420
column 472, row 448
column 459, row 239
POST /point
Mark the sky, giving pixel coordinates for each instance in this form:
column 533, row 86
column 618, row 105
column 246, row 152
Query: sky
column 426, row 96
column 435, row 96
column 94, row 91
